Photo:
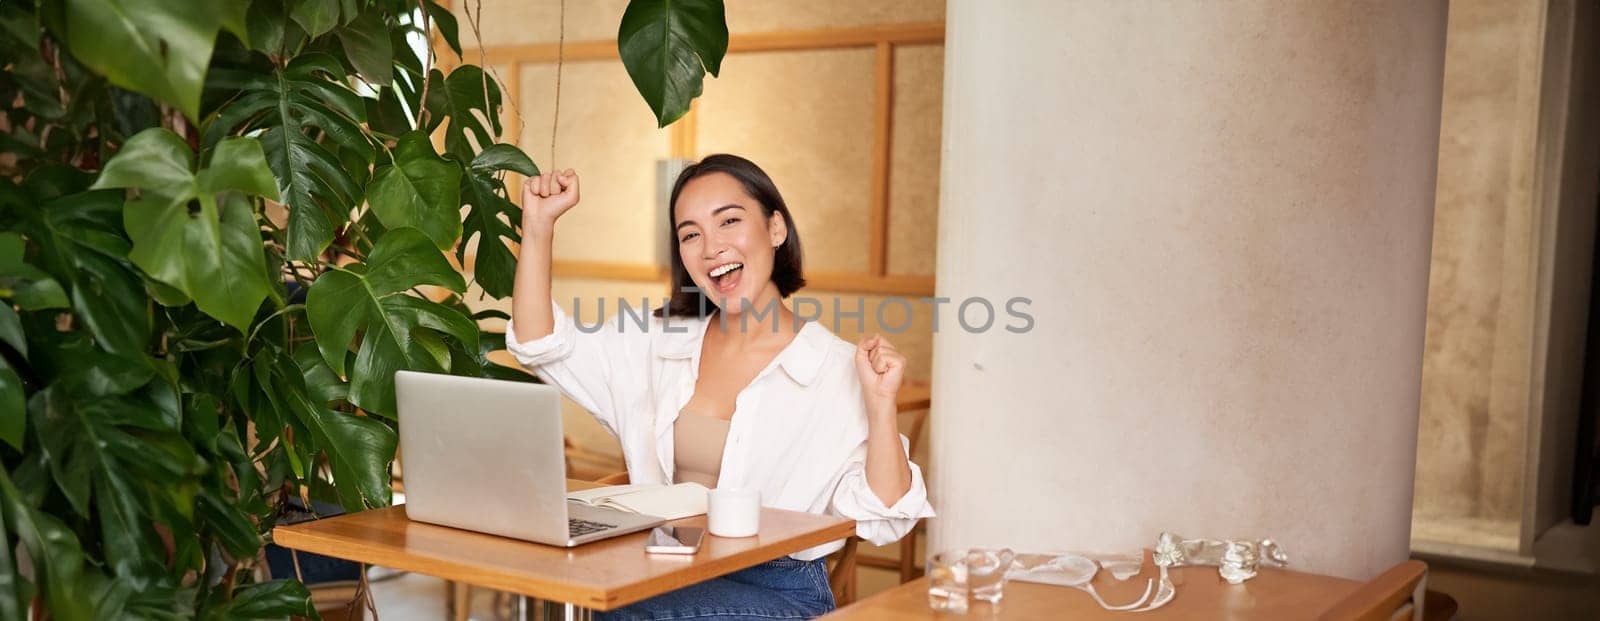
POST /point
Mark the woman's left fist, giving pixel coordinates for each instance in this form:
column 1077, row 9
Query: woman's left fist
column 880, row 368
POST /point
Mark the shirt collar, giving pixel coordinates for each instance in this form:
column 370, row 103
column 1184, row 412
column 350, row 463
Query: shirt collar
column 801, row 359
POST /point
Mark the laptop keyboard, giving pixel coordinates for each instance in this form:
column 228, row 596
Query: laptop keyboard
column 579, row 528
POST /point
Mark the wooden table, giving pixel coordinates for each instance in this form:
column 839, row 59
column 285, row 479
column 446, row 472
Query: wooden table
column 603, row 575
column 1275, row 594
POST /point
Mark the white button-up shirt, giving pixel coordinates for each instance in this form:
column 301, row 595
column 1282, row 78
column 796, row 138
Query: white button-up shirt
column 799, row 430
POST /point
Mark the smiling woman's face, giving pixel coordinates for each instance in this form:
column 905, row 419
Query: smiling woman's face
column 727, row 242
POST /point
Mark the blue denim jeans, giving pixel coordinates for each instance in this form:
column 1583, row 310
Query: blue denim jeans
column 780, row 589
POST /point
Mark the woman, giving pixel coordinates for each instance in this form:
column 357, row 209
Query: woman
column 746, row 397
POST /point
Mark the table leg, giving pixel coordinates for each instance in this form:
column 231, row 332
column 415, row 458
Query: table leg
column 528, row 607
column 566, row 612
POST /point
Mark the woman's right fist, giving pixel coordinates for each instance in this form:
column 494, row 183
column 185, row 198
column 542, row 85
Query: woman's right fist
column 546, row 197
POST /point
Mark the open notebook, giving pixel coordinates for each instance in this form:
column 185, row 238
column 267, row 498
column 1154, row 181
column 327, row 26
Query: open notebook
column 668, row 502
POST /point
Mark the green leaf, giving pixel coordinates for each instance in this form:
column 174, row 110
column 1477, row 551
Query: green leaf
column 322, row 384
column 492, row 220
column 668, row 46
column 461, row 100
column 13, row 602
column 267, row 600
column 157, row 47
column 184, row 235
column 234, row 17
column 30, row 287
column 134, row 552
column 504, row 157
column 155, row 159
column 374, row 301
column 11, row 330
column 58, row 558
column 366, row 43
column 79, row 237
column 13, row 408
column 308, row 94
column 230, row 525
column 421, row 190
column 445, row 21
column 239, row 165
column 359, row 448
column 316, row 16
column 271, row 29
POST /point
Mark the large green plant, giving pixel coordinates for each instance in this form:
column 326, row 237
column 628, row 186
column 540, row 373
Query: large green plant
column 176, row 361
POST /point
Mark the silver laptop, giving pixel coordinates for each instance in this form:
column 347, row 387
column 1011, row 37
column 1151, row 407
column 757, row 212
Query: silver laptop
column 487, row 455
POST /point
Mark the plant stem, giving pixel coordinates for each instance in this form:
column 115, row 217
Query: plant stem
column 427, row 70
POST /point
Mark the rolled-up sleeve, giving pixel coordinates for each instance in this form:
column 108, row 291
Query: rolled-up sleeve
column 875, row 522
column 583, row 366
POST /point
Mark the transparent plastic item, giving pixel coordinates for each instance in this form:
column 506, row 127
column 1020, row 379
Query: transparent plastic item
column 986, row 573
column 1236, row 560
column 957, row 576
column 1077, row 571
column 947, row 581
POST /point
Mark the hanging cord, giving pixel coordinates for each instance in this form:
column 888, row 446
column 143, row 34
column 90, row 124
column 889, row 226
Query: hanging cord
column 561, row 48
column 474, row 18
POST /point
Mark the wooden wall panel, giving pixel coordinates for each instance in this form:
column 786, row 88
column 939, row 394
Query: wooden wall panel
column 806, row 118
column 509, row 22
column 607, row 135
column 857, row 138
column 914, row 159
column 775, row 15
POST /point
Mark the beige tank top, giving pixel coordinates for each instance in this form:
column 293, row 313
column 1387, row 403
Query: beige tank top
column 697, row 450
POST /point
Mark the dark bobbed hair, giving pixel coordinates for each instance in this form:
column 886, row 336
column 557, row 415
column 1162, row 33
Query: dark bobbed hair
column 786, row 259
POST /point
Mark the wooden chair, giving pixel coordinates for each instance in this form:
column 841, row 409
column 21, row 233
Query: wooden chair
column 1395, row 595
column 842, row 572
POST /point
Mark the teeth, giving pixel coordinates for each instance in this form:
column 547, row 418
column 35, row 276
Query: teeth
column 725, row 269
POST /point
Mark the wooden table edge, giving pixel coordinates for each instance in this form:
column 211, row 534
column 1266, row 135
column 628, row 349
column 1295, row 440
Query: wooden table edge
column 293, row 538
column 920, row 585
column 625, row 594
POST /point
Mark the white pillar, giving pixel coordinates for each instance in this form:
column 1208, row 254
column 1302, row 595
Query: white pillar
column 1221, row 212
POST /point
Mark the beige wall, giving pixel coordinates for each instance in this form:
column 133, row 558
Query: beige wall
column 804, row 116
column 1223, row 213
column 1472, row 440
column 1514, row 233
column 508, row 22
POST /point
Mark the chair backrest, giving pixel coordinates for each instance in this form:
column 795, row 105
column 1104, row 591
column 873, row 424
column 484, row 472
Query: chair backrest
column 1394, row 594
column 842, row 574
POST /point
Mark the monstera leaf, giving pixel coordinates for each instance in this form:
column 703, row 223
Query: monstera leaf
column 493, row 217
column 265, row 600
column 420, row 190
column 445, row 21
column 359, row 448
column 79, row 237
column 157, row 47
column 306, row 95
column 186, row 232
column 366, row 43
column 108, row 428
column 462, row 99
column 398, row 330
column 668, row 46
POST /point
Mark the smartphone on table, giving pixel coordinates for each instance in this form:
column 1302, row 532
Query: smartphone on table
column 674, row 540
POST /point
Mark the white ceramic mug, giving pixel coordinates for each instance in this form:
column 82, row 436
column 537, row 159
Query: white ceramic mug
column 733, row 512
